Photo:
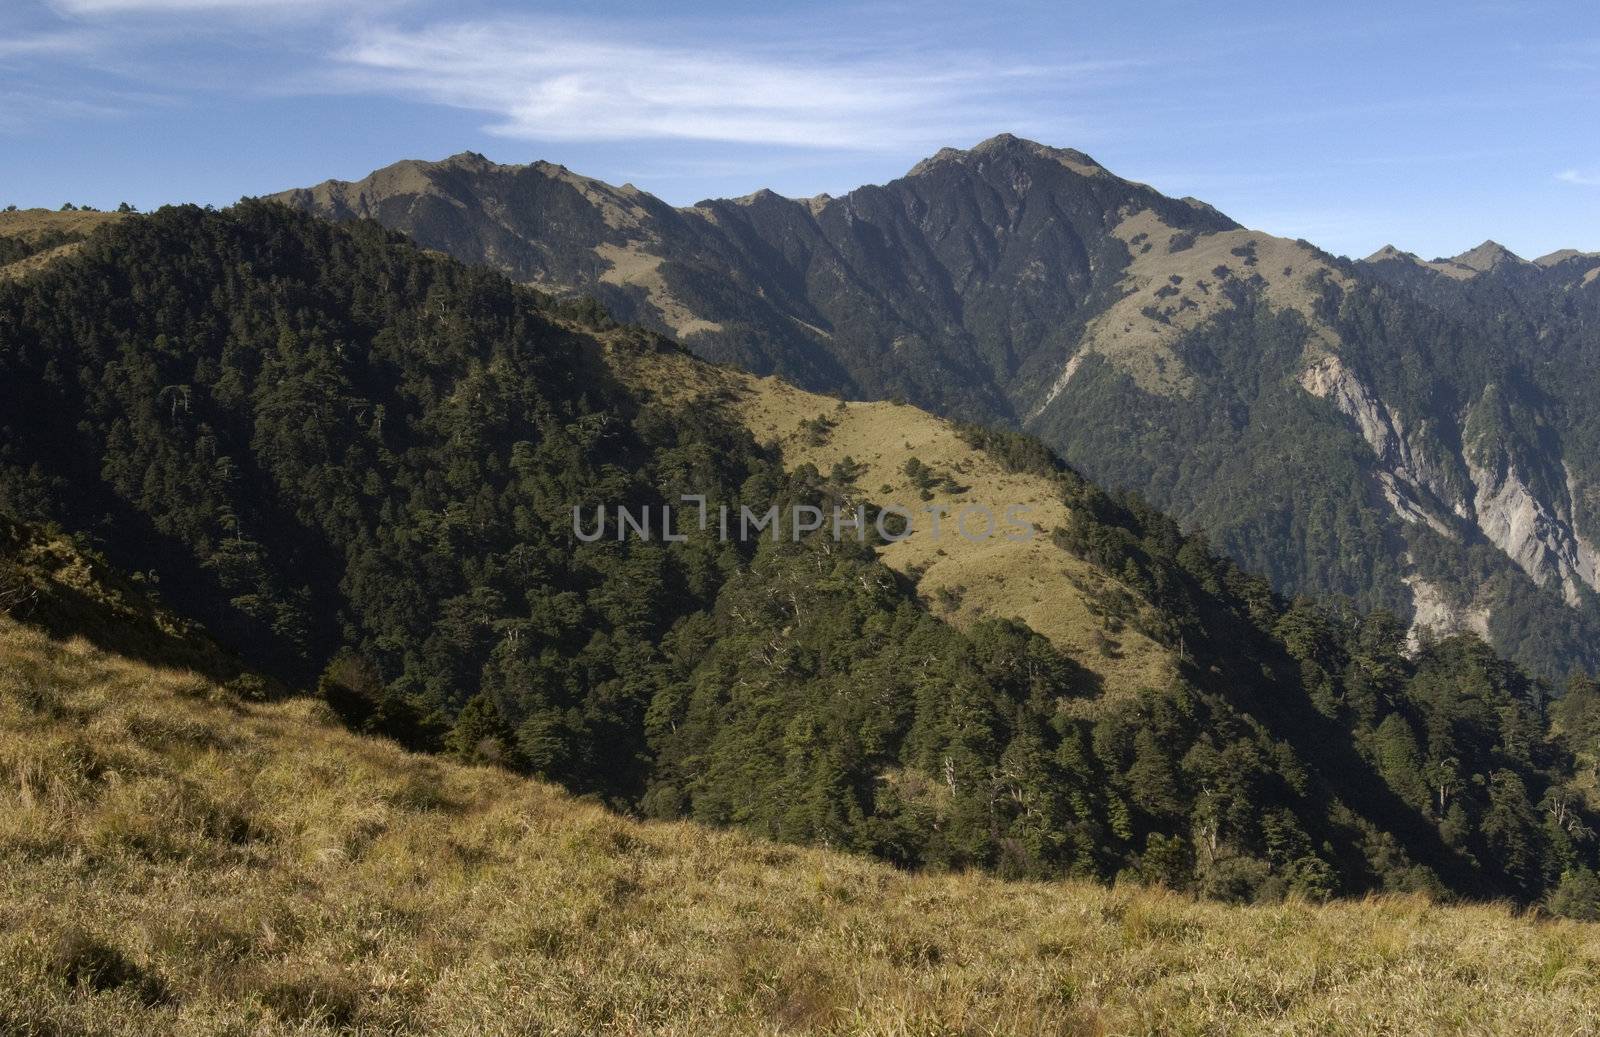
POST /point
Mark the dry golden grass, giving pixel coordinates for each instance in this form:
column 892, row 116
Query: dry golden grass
column 31, row 224
column 634, row 264
column 38, row 261
column 961, row 580
column 173, row 860
column 1129, row 336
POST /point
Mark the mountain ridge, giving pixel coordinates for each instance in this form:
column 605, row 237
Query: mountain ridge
column 1030, row 286
column 1488, row 252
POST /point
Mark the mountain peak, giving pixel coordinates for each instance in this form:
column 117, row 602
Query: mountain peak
column 1002, row 142
column 1388, row 252
column 759, row 196
column 1562, row 255
column 468, row 160
column 1487, row 256
column 1010, row 144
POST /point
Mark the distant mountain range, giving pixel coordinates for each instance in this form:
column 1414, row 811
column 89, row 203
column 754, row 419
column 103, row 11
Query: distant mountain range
column 1413, row 434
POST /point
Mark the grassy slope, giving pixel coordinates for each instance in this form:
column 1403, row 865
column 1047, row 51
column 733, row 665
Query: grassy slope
column 32, row 224
column 1037, row 582
column 173, row 859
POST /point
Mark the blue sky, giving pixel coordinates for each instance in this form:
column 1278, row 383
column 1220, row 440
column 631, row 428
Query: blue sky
column 1429, row 125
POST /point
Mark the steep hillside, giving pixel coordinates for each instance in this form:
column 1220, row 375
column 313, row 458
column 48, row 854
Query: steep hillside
column 54, row 583
column 375, row 470
column 1329, row 424
column 31, row 239
column 1035, row 580
column 176, row 859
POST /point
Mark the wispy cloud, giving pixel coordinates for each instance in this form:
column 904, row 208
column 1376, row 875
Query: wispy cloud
column 1579, row 177
column 95, row 7
column 20, row 109
column 552, row 81
column 50, row 44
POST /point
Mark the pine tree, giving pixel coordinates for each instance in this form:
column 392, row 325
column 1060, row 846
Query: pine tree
column 1399, row 760
column 481, row 735
column 1576, row 721
column 1577, row 895
column 1152, row 780
column 1511, row 830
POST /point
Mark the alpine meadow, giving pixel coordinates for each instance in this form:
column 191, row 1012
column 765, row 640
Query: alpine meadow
column 1003, row 598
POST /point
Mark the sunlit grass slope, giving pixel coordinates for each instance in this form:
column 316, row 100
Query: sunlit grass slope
column 175, row 859
column 55, row 235
column 962, row 580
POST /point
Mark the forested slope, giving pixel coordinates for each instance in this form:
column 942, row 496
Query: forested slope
column 356, row 463
column 1417, row 436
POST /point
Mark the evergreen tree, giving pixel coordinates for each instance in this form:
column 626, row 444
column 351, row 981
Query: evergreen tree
column 1577, row 896
column 481, row 735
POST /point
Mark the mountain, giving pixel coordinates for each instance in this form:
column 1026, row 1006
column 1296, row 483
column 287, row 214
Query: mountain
column 181, row 858
column 891, row 290
column 1408, row 434
column 372, row 470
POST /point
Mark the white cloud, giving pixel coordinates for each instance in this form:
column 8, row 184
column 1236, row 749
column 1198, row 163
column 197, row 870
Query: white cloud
column 553, row 81
column 52, row 44
column 1582, row 179
column 20, row 110
column 93, row 7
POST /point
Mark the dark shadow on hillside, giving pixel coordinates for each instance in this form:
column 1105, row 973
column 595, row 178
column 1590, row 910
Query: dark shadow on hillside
column 107, row 609
column 1338, row 771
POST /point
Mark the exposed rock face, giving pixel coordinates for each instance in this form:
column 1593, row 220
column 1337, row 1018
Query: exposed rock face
column 1533, row 533
column 1413, row 486
column 1063, row 380
column 1538, row 535
column 1329, row 379
column 1434, row 616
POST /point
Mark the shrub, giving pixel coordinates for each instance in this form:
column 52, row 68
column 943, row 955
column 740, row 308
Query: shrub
column 1577, row 896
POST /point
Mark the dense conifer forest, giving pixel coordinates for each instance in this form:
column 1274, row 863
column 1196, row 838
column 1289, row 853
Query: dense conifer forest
column 355, row 462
